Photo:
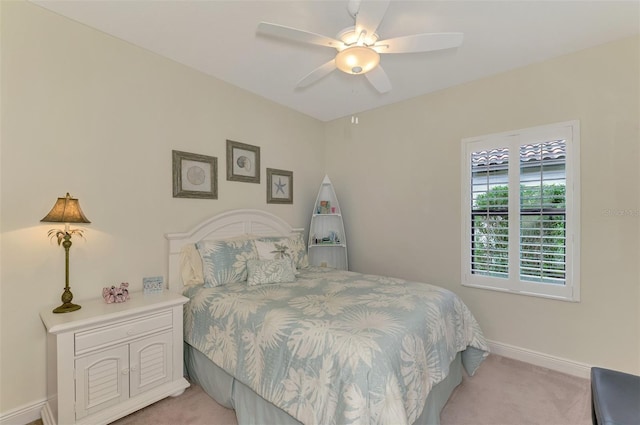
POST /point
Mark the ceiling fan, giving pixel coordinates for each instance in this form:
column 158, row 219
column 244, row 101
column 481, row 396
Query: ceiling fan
column 358, row 46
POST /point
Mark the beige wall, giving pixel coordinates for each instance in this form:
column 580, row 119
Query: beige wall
column 397, row 175
column 87, row 113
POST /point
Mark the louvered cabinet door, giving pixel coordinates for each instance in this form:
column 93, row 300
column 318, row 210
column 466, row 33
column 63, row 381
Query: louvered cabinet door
column 150, row 362
column 102, row 380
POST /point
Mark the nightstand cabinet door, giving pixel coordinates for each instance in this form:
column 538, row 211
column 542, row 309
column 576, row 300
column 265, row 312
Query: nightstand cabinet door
column 150, row 363
column 102, row 380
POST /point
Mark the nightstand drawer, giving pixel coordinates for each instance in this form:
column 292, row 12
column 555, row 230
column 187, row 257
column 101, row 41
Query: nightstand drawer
column 121, row 332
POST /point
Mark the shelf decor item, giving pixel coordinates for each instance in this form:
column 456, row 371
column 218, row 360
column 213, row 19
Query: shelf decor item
column 279, row 186
column 324, row 207
column 66, row 210
column 327, row 241
column 243, row 162
column 194, row 175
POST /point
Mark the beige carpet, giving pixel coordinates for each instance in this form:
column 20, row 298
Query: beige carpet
column 509, row 392
column 503, row 392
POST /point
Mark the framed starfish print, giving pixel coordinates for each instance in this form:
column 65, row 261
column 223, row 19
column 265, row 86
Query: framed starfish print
column 279, row 186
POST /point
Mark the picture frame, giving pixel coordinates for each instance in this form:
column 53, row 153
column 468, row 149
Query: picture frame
column 243, row 162
column 152, row 285
column 279, row 186
column 194, row 175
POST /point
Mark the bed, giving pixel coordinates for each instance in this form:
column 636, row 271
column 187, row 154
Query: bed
column 284, row 343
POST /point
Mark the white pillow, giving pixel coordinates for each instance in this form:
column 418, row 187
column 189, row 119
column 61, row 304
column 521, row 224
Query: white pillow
column 191, row 266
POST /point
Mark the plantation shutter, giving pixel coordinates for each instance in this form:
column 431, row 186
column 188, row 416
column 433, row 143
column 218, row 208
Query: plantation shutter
column 542, row 212
column 490, row 213
column 521, row 203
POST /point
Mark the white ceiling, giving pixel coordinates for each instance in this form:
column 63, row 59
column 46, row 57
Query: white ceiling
column 219, row 38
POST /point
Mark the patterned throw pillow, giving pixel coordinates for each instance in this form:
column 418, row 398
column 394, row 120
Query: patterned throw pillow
column 292, row 246
column 299, row 249
column 274, row 250
column 226, row 261
column 269, row 271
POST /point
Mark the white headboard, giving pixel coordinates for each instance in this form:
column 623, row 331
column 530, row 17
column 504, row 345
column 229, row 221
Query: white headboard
column 222, row 226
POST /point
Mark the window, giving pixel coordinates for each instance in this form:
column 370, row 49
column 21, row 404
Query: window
column 521, row 211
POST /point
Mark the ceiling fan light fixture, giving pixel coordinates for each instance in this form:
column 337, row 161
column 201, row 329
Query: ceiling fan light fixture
column 357, row 60
column 350, row 37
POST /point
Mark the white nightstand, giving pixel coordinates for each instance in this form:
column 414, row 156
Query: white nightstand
column 106, row 361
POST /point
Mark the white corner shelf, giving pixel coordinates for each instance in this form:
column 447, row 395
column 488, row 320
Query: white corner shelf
column 327, row 225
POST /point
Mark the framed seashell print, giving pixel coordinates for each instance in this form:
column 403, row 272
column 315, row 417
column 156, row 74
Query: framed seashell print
column 243, row 162
column 194, row 175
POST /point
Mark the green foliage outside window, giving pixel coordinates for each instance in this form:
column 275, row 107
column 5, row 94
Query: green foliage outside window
column 542, row 233
column 553, row 196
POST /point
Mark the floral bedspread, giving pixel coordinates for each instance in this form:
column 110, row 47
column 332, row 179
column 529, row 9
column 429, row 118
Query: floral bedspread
column 336, row 347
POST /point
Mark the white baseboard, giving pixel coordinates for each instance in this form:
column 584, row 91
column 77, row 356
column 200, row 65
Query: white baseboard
column 23, row 415
column 558, row 364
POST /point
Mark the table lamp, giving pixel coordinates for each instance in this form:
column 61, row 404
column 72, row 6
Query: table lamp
column 66, row 210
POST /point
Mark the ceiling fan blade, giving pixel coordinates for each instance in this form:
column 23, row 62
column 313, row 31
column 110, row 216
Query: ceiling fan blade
column 317, row 74
column 298, row 35
column 420, row 43
column 379, row 79
column 369, row 16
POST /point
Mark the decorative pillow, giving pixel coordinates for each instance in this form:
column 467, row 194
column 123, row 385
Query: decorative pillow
column 275, row 250
column 299, row 248
column 225, row 261
column 295, row 249
column 191, row 266
column 270, row 271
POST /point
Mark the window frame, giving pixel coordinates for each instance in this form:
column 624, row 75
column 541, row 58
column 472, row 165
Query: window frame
column 568, row 131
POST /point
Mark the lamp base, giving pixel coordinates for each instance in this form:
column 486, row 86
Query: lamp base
column 67, row 308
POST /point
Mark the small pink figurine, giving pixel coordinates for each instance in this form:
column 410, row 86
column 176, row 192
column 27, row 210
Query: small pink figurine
column 116, row 295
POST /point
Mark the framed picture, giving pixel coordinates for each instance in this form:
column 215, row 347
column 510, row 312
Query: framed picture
column 194, row 175
column 243, row 162
column 279, row 186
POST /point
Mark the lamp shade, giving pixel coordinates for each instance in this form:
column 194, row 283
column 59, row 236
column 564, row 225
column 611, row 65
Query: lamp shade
column 357, row 60
column 66, row 210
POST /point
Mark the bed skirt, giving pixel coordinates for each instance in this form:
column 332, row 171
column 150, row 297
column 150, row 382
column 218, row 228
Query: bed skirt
column 251, row 409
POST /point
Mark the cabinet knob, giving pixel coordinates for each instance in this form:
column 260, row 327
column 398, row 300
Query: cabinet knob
column 134, row 368
column 125, row 371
